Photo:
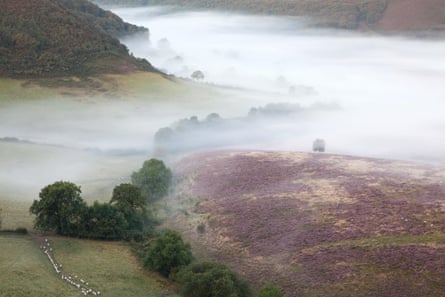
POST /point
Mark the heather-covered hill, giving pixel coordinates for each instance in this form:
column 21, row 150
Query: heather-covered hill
column 381, row 15
column 42, row 38
column 317, row 224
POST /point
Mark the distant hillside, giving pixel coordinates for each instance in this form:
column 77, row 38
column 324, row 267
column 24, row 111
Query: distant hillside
column 104, row 20
column 382, row 15
column 316, row 224
column 42, row 38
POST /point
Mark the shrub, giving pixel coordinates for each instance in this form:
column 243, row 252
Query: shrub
column 21, row 230
column 103, row 221
column 167, row 253
column 211, row 280
column 201, row 228
column 270, row 291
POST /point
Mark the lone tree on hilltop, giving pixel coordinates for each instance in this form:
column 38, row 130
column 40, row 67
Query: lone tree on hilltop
column 319, row 145
column 198, row 75
column 153, row 179
column 59, row 209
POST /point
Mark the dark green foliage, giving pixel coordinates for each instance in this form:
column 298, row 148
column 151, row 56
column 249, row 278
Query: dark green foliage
column 43, row 38
column 211, row 280
column 128, row 200
column 59, row 209
column 270, row 291
column 102, row 20
column 103, row 221
column 167, row 253
column 21, row 230
column 153, row 179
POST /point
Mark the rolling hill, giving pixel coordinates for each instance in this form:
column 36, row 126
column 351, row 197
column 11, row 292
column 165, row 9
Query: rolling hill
column 43, row 38
column 316, row 224
column 380, row 15
column 103, row 20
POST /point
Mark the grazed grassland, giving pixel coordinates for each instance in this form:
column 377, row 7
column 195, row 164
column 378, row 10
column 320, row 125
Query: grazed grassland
column 317, row 224
column 109, row 267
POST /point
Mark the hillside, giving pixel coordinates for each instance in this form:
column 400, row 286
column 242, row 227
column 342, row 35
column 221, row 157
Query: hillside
column 103, row 20
column 381, row 15
column 316, row 224
column 42, row 38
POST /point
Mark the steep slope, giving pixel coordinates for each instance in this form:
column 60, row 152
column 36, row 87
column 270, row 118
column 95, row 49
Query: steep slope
column 316, row 224
column 42, row 38
column 106, row 21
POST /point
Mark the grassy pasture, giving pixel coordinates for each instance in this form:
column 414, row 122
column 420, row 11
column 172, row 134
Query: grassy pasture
column 109, row 267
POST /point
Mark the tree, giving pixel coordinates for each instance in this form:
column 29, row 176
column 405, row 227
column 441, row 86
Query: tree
column 168, row 253
column 103, row 221
column 319, row 145
column 198, row 75
column 270, row 291
column 211, row 280
column 128, row 200
column 153, row 179
column 59, row 209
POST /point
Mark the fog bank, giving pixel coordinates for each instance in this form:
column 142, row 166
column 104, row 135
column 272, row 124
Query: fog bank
column 390, row 89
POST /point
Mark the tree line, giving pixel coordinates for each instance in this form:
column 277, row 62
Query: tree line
column 61, row 208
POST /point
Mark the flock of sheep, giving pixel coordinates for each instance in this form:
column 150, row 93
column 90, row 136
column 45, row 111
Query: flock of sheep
column 72, row 280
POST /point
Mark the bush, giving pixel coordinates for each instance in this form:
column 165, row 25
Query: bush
column 21, row 230
column 168, row 253
column 211, row 280
column 270, row 291
column 103, row 221
column 201, row 228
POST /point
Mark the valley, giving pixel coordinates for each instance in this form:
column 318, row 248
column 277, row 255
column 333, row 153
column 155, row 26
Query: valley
column 242, row 91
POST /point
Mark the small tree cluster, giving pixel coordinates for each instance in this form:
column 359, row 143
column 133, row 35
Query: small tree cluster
column 61, row 209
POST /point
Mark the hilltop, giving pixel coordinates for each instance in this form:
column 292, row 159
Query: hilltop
column 316, row 224
column 43, row 38
column 380, row 15
column 103, row 20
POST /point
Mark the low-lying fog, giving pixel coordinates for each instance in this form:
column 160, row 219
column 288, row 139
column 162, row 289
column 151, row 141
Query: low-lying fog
column 364, row 95
column 390, row 89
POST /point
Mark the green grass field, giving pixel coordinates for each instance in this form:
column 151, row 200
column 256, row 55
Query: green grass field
column 109, row 267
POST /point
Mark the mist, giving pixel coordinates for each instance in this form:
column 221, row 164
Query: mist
column 385, row 93
column 390, row 89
